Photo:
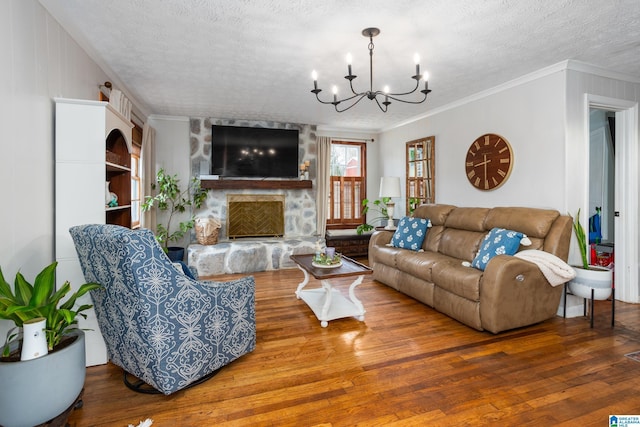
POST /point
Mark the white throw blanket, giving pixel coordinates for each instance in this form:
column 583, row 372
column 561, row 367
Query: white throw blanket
column 553, row 268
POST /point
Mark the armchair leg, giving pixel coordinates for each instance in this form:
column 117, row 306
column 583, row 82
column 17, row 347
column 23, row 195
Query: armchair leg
column 140, row 386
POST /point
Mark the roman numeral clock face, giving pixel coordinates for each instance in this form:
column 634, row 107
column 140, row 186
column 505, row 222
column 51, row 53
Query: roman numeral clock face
column 489, row 162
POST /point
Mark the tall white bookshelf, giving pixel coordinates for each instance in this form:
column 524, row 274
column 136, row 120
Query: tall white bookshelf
column 92, row 146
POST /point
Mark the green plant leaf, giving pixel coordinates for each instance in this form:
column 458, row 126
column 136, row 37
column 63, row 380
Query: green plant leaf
column 23, row 289
column 5, row 288
column 43, row 286
column 582, row 240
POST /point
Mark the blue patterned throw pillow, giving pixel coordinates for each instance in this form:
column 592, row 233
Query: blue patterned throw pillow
column 410, row 233
column 498, row 242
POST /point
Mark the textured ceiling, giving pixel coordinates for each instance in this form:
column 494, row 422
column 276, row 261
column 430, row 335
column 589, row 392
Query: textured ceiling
column 252, row 59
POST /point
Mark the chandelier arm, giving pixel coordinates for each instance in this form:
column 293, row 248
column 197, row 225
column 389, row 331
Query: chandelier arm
column 351, row 97
column 338, row 101
column 352, row 89
column 323, row 102
column 350, row 106
column 384, row 110
column 407, row 93
column 409, row 102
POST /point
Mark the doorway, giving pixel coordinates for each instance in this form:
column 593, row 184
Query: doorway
column 601, row 177
column 614, row 166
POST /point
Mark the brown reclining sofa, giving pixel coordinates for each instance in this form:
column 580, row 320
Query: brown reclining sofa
column 509, row 293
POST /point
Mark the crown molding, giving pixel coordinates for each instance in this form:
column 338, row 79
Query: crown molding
column 168, row 118
column 568, row 64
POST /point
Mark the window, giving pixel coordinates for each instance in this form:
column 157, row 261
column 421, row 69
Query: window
column 136, row 190
column 348, row 184
column 136, row 183
column 420, row 173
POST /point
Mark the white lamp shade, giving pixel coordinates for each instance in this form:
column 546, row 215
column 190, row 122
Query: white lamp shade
column 390, row 186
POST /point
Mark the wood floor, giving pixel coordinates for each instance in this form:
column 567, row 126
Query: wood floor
column 405, row 365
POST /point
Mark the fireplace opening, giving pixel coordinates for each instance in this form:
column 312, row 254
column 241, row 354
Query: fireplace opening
column 255, row 215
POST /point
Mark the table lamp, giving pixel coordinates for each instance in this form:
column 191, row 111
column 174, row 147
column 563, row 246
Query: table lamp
column 390, row 187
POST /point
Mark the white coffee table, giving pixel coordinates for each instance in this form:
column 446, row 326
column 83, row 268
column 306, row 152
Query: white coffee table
column 327, row 302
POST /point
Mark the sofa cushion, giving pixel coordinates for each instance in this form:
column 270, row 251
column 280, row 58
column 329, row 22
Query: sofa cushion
column 457, row 279
column 419, row 264
column 470, row 219
column 410, row 233
column 497, row 242
column 432, row 240
column 533, row 222
column 460, row 244
column 436, row 213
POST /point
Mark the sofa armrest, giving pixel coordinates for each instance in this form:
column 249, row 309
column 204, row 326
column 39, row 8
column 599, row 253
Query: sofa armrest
column 515, row 293
column 380, row 238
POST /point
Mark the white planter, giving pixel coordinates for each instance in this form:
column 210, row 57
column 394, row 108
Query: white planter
column 34, row 339
column 35, row 391
column 597, row 278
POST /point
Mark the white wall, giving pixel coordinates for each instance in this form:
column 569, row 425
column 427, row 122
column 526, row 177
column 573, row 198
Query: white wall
column 39, row 61
column 528, row 113
column 173, row 155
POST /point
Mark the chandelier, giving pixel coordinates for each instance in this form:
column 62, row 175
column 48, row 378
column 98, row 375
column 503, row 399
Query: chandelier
column 352, row 100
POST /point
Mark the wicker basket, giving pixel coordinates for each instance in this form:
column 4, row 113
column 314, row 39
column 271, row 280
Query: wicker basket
column 207, row 230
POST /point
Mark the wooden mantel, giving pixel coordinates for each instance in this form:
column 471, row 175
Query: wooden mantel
column 260, row 184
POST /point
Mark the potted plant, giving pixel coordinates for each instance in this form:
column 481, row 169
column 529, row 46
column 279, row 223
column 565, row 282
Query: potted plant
column 38, row 390
column 378, row 206
column 589, row 276
column 172, row 199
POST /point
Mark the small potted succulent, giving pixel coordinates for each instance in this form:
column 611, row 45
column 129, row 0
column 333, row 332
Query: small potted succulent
column 172, row 199
column 37, row 390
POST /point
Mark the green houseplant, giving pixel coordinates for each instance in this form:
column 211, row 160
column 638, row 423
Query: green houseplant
column 589, row 277
column 172, row 199
column 47, row 387
column 41, row 299
column 581, row 237
column 378, row 206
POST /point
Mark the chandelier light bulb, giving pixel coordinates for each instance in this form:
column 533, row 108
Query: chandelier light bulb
column 314, row 76
column 349, row 59
column 416, row 58
column 334, row 89
column 385, row 89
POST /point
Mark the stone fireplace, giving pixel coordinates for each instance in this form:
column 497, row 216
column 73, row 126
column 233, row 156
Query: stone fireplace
column 254, row 249
column 255, row 215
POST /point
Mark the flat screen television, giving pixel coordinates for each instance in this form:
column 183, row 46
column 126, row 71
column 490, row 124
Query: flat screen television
column 252, row 152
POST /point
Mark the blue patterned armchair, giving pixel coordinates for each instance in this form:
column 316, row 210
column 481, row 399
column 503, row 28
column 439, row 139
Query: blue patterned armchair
column 159, row 325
